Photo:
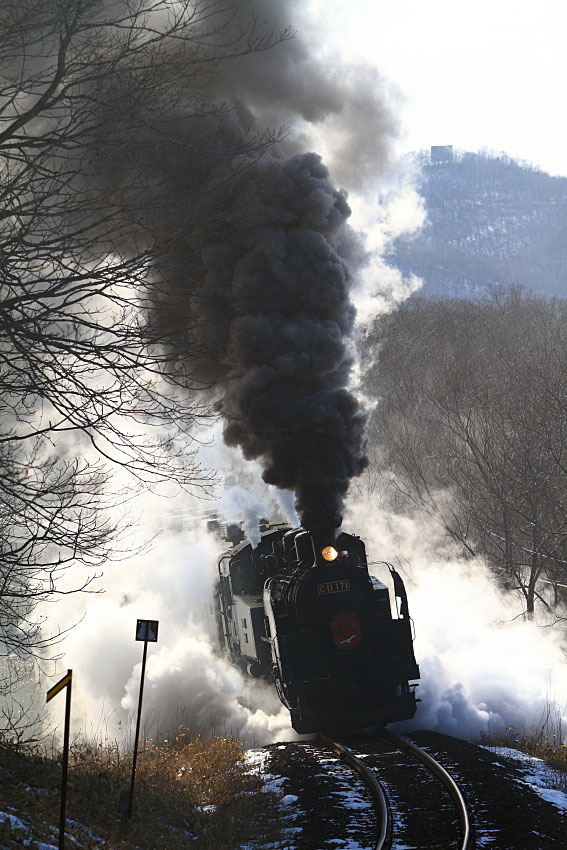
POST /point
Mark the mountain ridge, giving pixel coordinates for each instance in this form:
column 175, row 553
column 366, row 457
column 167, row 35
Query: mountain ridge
column 491, row 222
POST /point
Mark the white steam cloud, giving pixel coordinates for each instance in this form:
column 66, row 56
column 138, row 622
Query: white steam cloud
column 483, row 668
column 187, row 681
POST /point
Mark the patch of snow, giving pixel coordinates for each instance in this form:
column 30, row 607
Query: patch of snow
column 345, row 796
column 17, row 823
column 539, row 776
column 398, row 815
column 14, row 822
column 487, row 837
column 352, row 795
column 256, row 759
column 274, row 784
column 510, row 753
column 207, row 809
column 272, row 846
column 552, row 795
column 86, row 834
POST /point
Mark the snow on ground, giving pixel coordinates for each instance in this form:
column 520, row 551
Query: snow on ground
column 256, row 761
column 14, row 822
column 348, row 796
column 549, row 784
column 17, row 823
column 345, row 796
column 30, row 838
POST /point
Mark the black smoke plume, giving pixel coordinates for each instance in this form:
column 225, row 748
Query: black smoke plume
column 265, row 293
column 252, row 294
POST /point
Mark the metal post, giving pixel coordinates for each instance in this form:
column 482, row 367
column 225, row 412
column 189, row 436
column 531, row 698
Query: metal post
column 65, row 682
column 65, row 767
column 135, row 756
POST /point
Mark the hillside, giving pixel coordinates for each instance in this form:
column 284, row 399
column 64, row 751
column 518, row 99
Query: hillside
column 491, row 221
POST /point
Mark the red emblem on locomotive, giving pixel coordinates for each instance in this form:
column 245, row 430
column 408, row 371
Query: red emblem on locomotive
column 346, row 630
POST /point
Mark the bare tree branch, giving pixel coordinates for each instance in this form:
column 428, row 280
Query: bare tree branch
column 472, row 423
column 109, row 115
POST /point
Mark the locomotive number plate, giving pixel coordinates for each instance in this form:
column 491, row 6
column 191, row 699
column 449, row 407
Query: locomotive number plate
column 333, row 587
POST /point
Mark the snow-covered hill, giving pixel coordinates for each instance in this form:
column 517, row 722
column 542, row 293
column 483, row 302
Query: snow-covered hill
column 490, row 221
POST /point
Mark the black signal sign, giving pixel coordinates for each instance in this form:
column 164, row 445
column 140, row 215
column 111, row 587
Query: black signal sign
column 147, row 630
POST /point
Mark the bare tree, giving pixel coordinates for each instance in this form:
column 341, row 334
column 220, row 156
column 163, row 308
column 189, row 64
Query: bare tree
column 110, row 127
column 106, row 106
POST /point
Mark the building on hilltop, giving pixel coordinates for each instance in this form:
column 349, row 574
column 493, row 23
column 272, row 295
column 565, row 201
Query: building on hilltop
column 441, row 153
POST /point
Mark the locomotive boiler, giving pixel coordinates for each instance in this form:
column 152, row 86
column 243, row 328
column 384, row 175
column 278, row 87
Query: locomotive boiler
column 305, row 613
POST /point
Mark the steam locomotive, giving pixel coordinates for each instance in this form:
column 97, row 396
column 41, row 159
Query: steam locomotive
column 307, row 616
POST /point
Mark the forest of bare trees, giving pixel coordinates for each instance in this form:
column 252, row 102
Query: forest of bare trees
column 471, row 422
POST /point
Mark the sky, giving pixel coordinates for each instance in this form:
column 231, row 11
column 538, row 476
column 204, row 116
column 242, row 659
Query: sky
column 486, row 75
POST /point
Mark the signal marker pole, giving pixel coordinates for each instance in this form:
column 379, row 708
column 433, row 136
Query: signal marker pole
column 65, row 682
column 146, row 630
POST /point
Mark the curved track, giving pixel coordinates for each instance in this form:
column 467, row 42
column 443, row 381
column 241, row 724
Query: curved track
column 376, row 749
column 447, row 781
column 369, row 780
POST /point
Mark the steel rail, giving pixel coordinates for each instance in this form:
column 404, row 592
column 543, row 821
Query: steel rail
column 369, row 780
column 446, row 779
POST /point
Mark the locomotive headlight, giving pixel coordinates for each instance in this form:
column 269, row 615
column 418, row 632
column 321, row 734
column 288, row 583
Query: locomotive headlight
column 329, row 553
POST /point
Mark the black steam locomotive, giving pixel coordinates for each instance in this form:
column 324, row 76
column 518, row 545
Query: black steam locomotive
column 310, row 618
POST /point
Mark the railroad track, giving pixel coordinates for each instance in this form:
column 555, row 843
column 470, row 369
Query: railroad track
column 407, row 812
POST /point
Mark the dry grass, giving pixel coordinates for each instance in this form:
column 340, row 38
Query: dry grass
column 543, row 741
column 188, row 792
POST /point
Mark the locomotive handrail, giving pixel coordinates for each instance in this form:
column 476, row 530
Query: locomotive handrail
column 399, row 588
